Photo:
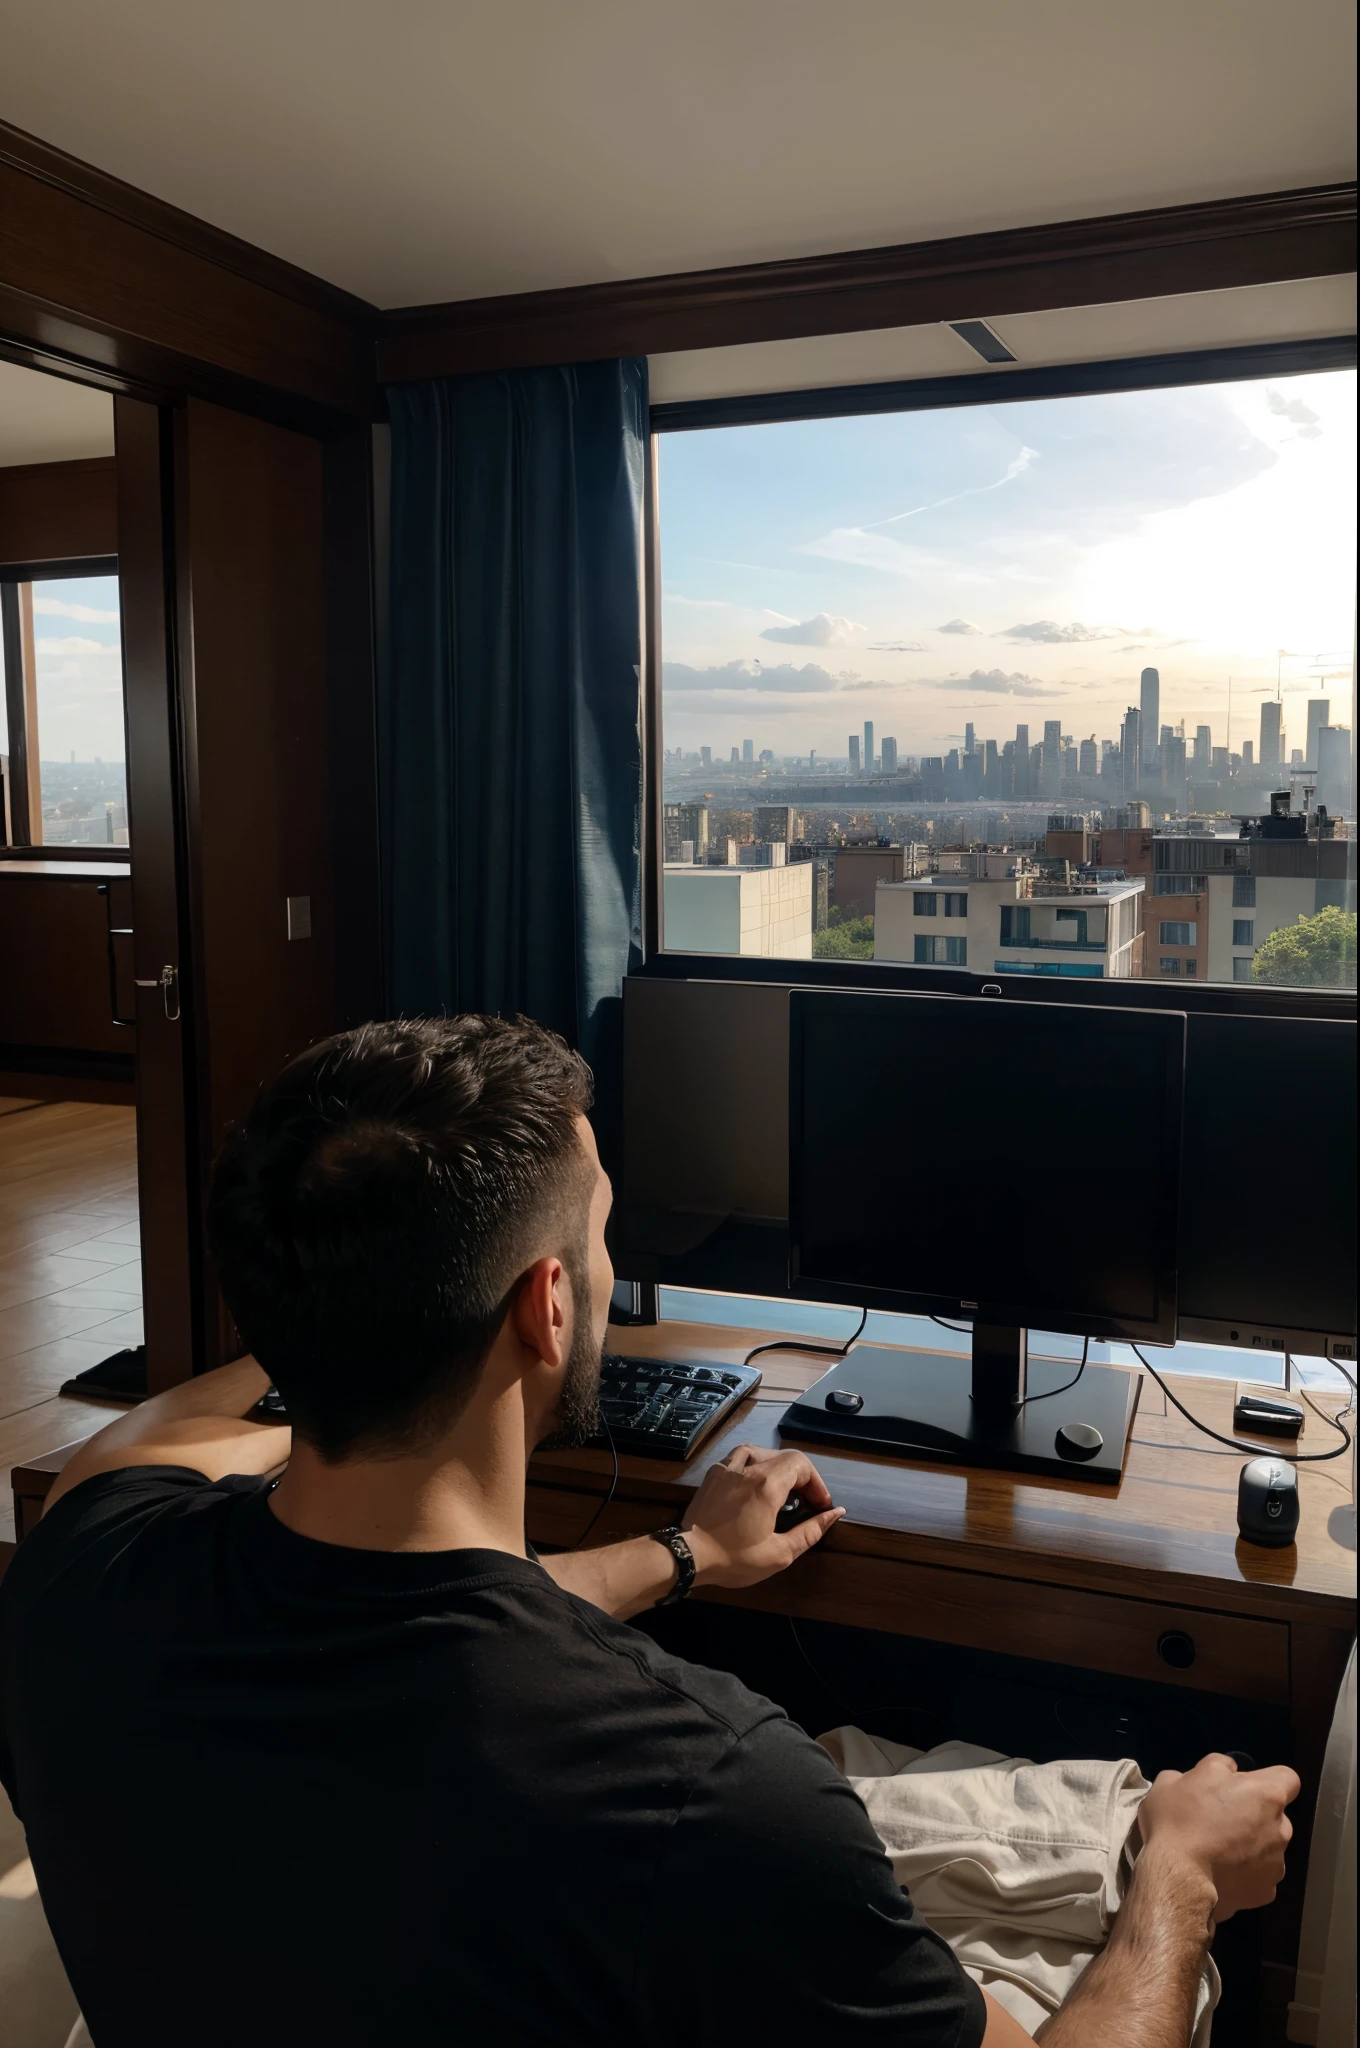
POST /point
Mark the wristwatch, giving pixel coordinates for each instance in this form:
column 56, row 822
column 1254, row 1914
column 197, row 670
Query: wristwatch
column 675, row 1541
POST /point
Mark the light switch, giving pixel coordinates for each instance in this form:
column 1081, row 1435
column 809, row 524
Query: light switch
column 299, row 917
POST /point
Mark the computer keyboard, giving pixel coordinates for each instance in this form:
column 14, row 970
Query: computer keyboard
column 665, row 1410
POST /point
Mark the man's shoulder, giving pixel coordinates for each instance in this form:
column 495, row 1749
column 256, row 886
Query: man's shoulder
column 106, row 1511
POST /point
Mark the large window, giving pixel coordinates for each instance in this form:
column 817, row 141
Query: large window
column 1064, row 654
column 70, row 701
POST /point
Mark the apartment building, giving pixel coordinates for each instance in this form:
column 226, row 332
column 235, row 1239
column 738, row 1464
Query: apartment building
column 1216, row 898
column 1012, row 924
column 762, row 912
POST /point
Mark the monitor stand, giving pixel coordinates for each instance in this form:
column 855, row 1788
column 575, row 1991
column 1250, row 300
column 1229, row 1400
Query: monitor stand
column 921, row 1404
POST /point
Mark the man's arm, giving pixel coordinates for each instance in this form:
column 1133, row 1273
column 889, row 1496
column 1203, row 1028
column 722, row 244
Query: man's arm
column 730, row 1525
column 200, row 1423
column 1213, row 1843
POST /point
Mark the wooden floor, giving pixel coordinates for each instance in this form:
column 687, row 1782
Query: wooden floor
column 70, row 1269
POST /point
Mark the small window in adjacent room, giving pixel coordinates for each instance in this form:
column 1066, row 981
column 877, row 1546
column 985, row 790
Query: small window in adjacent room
column 1241, row 969
column 1244, row 929
column 1171, row 964
column 924, row 903
column 1244, row 892
column 955, row 906
column 1174, row 934
column 75, row 721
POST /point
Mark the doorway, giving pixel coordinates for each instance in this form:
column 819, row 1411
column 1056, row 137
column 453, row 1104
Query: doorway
column 70, row 1250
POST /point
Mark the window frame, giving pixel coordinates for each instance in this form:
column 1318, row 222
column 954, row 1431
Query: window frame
column 1136, row 373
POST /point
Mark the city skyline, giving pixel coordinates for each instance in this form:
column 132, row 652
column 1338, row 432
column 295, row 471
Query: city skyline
column 1026, row 560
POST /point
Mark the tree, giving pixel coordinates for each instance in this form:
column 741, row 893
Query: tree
column 845, row 938
column 1317, row 952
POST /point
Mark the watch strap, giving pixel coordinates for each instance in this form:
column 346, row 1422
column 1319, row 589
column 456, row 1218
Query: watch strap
column 674, row 1540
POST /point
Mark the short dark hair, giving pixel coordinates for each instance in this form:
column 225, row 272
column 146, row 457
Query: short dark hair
column 371, row 1214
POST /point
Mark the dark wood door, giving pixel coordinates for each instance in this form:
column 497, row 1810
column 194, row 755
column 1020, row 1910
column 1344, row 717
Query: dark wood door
column 169, row 1171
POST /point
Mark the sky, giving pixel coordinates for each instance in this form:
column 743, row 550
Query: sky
column 1009, row 563
column 80, row 669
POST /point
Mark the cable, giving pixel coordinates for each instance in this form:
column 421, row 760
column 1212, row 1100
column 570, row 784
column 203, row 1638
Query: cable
column 959, row 1329
column 613, row 1483
column 1253, row 1450
column 822, row 1350
column 1085, row 1348
column 832, row 1692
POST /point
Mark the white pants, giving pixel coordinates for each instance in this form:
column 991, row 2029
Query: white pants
column 1021, row 1867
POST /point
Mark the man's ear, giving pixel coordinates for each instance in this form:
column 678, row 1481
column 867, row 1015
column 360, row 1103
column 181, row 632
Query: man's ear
column 539, row 1313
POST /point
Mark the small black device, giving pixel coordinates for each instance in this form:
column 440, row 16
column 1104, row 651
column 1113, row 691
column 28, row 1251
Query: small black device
column 1078, row 1441
column 1268, row 1503
column 1266, row 1414
column 665, row 1409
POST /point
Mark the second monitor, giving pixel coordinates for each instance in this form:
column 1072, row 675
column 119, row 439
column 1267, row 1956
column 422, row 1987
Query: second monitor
column 1010, row 1164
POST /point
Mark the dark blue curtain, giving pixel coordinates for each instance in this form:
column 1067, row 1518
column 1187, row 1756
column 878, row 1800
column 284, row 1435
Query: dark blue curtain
column 509, row 733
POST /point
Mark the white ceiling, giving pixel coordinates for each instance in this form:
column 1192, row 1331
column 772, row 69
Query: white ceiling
column 1301, row 310
column 49, row 419
column 432, row 149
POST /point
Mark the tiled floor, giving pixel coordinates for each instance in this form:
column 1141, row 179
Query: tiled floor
column 70, row 1268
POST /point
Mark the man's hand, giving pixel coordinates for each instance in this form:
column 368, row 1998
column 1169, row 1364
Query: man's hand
column 1231, row 1824
column 730, row 1522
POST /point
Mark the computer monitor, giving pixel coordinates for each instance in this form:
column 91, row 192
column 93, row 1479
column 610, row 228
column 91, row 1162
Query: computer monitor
column 1008, row 1164
column 1268, row 1226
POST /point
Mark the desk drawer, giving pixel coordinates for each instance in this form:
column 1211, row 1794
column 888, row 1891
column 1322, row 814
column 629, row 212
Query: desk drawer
column 1129, row 1638
column 1225, row 1653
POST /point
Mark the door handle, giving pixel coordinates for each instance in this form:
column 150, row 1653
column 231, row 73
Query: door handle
column 114, row 932
column 167, row 981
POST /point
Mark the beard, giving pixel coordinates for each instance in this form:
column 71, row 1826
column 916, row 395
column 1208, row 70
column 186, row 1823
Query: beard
column 578, row 1413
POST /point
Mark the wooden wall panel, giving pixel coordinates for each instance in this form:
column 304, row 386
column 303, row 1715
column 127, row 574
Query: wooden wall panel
column 54, row 988
column 96, row 270
column 253, row 575
column 55, row 511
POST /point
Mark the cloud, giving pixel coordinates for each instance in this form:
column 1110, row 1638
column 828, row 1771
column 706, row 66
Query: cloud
column 995, row 682
column 959, row 626
column 1048, row 633
column 749, row 675
column 1303, row 416
column 867, row 686
column 896, row 647
column 823, row 630
column 58, row 608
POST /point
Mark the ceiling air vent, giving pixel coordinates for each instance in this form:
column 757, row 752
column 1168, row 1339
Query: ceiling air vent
column 982, row 341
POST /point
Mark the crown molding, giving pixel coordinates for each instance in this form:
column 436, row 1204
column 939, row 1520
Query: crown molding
column 1257, row 239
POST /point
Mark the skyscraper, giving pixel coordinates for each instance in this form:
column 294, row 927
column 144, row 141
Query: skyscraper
column 1021, row 781
column 1052, row 755
column 969, row 744
column 1272, row 739
column 1089, row 762
column 1203, row 748
column 705, row 757
column 748, row 751
column 1149, row 705
column 1334, row 769
column 868, row 746
column 1131, row 748
column 1319, row 714
column 853, row 744
column 889, row 760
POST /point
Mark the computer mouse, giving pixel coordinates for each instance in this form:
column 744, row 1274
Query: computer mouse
column 1268, row 1503
column 794, row 1511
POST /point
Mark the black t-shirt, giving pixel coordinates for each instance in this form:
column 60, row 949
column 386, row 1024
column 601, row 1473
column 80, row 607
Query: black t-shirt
column 281, row 1792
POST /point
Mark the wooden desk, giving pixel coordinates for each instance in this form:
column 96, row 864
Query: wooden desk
column 1071, row 1572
